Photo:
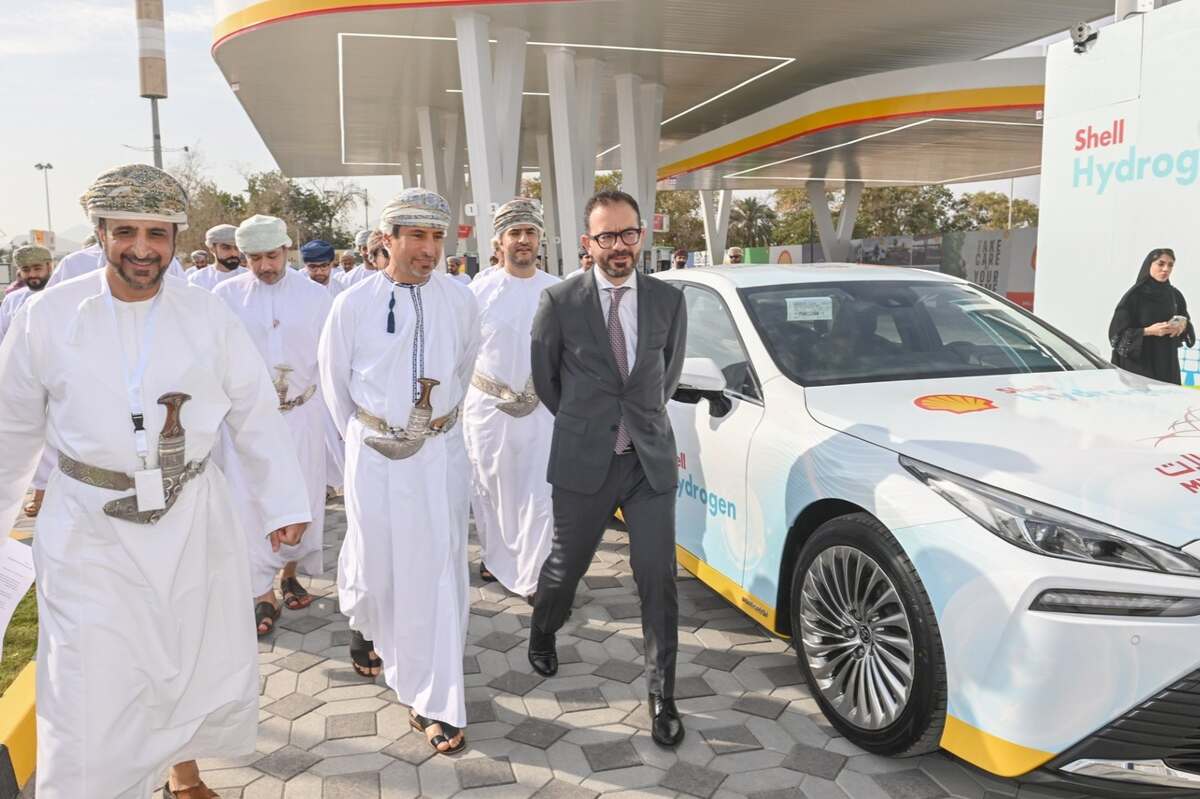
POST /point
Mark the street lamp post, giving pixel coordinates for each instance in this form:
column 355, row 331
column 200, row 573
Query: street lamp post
column 45, row 170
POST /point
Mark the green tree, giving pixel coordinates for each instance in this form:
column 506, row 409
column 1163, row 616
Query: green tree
column 904, row 211
column 687, row 228
column 751, row 222
column 794, row 217
column 988, row 210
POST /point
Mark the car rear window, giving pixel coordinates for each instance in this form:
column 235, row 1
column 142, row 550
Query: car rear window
column 867, row 331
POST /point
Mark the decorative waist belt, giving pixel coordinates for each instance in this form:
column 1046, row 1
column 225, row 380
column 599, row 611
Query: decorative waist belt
column 514, row 403
column 126, row 507
column 298, row 400
column 398, row 443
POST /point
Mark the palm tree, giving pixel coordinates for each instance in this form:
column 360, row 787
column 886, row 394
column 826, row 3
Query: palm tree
column 750, row 223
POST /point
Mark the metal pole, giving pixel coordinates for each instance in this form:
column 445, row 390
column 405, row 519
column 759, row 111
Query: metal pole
column 1011, row 184
column 46, row 181
column 366, row 211
column 157, row 135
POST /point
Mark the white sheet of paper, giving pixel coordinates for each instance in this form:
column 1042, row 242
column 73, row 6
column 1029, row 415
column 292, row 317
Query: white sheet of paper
column 149, row 487
column 809, row 309
column 16, row 575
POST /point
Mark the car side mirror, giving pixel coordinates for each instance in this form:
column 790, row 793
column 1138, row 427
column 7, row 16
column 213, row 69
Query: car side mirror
column 703, row 379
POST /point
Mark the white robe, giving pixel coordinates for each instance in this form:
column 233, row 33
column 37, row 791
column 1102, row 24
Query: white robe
column 510, row 497
column 300, row 308
column 90, row 259
column 402, row 571
column 146, row 646
column 9, row 307
column 210, row 277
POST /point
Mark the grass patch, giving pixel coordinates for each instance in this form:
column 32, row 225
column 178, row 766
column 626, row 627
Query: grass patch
column 20, row 640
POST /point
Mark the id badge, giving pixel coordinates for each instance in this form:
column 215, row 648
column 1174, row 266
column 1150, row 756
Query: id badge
column 149, row 486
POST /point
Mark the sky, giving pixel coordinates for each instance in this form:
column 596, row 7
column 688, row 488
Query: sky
column 68, row 79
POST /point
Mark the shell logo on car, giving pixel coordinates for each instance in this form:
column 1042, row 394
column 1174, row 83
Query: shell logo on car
column 954, row 403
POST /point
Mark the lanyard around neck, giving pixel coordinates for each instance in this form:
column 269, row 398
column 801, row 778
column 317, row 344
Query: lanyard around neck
column 134, row 378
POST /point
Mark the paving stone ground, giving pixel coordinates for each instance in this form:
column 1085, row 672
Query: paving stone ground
column 753, row 729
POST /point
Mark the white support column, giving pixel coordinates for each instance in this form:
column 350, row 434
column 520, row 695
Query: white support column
column 715, row 207
column 454, row 175
column 639, row 114
column 408, row 170
column 429, row 128
column 492, row 108
column 549, row 206
column 574, row 110
column 835, row 243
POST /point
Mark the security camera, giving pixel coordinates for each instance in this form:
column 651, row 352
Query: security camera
column 1083, row 34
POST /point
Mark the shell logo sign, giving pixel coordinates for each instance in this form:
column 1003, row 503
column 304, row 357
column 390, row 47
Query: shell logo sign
column 954, row 403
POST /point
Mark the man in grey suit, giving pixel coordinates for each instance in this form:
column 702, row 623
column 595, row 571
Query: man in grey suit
column 608, row 348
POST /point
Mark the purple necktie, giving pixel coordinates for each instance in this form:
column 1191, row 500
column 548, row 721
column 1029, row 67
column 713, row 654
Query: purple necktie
column 616, row 339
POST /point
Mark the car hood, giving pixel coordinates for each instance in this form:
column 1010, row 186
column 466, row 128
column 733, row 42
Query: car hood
column 1105, row 444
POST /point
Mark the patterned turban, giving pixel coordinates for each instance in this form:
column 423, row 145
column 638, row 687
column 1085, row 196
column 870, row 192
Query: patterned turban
column 31, row 254
column 197, row 253
column 221, row 234
column 518, row 212
column 261, row 233
column 376, row 239
column 415, row 207
column 136, row 191
column 316, row 252
column 360, row 240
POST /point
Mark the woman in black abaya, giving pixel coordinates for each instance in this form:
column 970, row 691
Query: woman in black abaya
column 1151, row 322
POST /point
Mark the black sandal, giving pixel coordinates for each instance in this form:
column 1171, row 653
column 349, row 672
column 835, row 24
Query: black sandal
column 420, row 723
column 484, row 574
column 360, row 656
column 265, row 612
column 295, row 597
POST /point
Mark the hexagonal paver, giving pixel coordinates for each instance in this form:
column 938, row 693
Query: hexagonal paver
column 593, row 632
column 732, row 739
column 536, row 732
column 557, row 789
column 293, row 706
column 412, row 748
column 624, row 610
column 350, row 725
column 783, row 675
column 611, row 755
column 818, row 762
column 693, row 780
column 619, row 671
column 480, row 712
column 716, row 659
column 909, row 785
column 362, row 785
column 500, row 642
column 482, row 772
column 767, row 707
column 600, row 583
column 302, row 624
column 285, row 763
column 516, row 682
column 470, row 664
column 568, row 654
column 299, row 661
column 793, row 792
column 588, row 698
column 692, row 687
column 340, row 638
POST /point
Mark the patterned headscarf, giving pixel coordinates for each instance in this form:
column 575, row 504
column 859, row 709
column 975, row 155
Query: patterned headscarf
column 518, row 212
column 415, row 207
column 31, row 254
column 262, row 233
column 221, row 234
column 136, row 191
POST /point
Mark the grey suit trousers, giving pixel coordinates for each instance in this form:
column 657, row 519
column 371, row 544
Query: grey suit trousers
column 579, row 524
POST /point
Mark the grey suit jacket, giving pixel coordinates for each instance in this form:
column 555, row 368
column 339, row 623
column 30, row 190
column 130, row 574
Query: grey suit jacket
column 576, row 377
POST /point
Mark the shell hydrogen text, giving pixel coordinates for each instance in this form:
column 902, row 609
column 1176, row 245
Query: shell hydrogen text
column 1097, row 172
column 717, row 505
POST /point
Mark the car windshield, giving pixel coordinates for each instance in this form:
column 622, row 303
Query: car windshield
column 872, row 331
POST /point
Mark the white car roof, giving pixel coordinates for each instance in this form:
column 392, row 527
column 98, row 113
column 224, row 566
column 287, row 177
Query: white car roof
column 747, row 276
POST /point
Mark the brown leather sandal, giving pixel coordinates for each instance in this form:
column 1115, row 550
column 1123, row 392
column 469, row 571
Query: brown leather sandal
column 200, row 791
column 265, row 612
column 295, row 597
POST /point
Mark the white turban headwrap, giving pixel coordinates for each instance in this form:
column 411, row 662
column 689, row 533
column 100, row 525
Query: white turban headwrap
column 360, row 240
column 415, row 207
column 261, row 233
column 221, row 234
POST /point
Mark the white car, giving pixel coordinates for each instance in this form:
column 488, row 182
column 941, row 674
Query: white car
column 980, row 536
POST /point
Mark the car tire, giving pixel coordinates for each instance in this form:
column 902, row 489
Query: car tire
column 882, row 724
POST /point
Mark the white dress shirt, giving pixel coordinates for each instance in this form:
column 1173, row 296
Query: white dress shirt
column 626, row 312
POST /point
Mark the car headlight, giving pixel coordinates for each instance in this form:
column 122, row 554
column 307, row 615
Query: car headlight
column 1048, row 530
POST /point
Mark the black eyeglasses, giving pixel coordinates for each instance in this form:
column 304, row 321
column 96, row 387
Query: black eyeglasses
column 629, row 237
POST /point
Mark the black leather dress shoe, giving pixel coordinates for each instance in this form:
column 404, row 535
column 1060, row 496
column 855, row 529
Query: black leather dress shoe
column 543, row 655
column 666, row 728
